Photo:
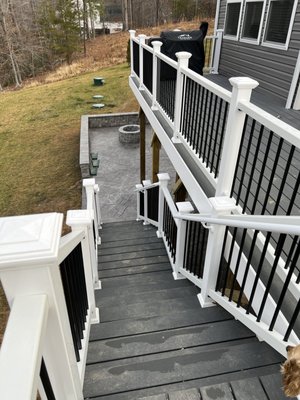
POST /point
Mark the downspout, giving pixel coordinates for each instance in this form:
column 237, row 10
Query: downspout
column 217, row 17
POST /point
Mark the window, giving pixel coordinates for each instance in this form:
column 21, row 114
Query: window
column 233, row 13
column 252, row 20
column 279, row 22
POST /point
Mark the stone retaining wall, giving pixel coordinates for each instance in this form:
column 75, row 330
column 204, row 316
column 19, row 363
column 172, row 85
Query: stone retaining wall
column 99, row 121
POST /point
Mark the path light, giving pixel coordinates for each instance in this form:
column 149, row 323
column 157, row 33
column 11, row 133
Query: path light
column 98, row 105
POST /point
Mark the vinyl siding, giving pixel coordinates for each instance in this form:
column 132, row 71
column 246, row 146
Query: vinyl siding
column 272, row 68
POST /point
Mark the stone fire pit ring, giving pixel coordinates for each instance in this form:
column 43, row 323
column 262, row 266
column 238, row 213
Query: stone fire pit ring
column 129, row 134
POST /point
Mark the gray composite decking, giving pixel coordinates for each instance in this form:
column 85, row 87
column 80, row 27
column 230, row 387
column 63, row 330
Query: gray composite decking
column 272, row 104
column 154, row 340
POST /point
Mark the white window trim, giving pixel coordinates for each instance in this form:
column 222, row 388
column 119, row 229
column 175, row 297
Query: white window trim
column 231, row 37
column 285, row 45
column 249, row 40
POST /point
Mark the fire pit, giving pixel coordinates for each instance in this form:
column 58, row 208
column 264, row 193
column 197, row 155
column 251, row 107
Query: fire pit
column 129, row 134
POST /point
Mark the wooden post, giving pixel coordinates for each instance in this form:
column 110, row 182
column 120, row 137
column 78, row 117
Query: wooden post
column 179, row 190
column 156, row 146
column 142, row 145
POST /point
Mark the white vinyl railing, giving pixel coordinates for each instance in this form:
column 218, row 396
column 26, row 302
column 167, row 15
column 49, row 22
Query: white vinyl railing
column 49, row 282
column 205, row 239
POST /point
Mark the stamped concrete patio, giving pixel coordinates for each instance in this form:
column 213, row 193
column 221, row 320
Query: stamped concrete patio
column 119, row 171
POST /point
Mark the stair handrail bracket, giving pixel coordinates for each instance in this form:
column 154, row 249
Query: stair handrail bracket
column 48, row 282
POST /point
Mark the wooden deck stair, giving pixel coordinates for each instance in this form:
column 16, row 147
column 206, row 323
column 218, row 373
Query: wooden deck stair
column 155, row 342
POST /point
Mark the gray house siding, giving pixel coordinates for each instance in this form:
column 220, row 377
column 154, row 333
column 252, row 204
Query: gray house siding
column 272, row 68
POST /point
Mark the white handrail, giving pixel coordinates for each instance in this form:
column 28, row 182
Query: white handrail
column 21, row 351
column 280, row 224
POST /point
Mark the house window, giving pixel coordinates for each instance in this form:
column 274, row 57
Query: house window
column 279, row 22
column 232, row 21
column 252, row 20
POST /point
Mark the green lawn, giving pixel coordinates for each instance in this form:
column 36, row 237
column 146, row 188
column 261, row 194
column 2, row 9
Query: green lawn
column 39, row 139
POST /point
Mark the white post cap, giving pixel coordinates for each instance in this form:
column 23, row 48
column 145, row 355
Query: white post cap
column 28, row 240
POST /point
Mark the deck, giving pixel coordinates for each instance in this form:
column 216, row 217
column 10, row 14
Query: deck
column 272, row 104
column 155, row 340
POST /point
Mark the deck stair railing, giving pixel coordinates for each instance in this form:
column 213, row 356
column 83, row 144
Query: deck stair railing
column 49, row 282
column 233, row 269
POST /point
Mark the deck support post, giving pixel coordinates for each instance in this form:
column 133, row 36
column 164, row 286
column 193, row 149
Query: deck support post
column 29, row 265
column 183, row 62
column 132, row 36
column 142, row 40
column 242, row 89
column 155, row 73
column 220, row 206
column 156, row 146
column 163, row 184
column 179, row 190
column 142, row 119
column 184, row 207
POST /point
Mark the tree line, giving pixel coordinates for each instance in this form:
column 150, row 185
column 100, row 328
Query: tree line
column 140, row 13
column 38, row 35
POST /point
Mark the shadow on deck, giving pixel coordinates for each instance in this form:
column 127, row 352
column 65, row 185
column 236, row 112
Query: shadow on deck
column 155, row 340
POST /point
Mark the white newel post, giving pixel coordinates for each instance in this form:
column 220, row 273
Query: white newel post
column 29, row 247
column 156, row 49
column 132, row 36
column 82, row 220
column 139, row 188
column 184, row 207
column 142, row 40
column 242, row 89
column 145, row 184
column 90, row 187
column 98, row 208
column 163, row 184
column 217, row 51
column 183, row 62
column 220, row 206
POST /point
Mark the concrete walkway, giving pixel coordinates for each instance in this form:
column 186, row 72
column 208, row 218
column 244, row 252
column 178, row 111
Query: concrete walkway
column 119, row 172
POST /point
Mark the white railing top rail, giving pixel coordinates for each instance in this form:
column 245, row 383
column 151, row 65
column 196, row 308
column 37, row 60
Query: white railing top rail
column 68, row 243
column 207, row 84
column 143, row 188
column 21, row 350
column 275, row 125
column 170, row 202
column 167, row 60
column 289, row 225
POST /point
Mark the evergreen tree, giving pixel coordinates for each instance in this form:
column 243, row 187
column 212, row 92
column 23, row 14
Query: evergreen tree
column 59, row 22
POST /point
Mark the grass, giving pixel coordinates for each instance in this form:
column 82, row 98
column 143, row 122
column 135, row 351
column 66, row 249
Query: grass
column 39, row 139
